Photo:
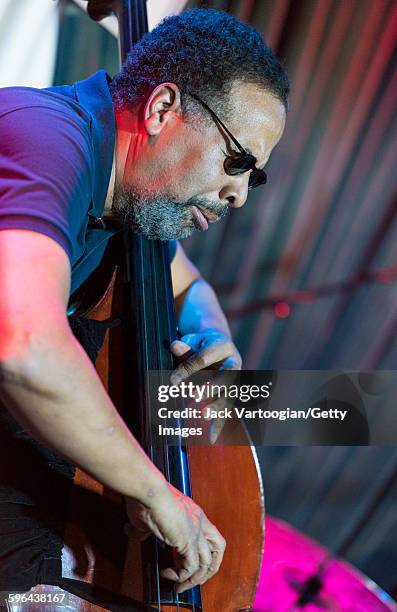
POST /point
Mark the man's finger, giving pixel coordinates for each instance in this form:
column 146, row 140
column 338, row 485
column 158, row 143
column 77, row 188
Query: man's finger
column 213, row 408
column 201, row 575
column 181, row 349
column 187, row 565
column 215, row 429
column 216, row 542
column 200, row 360
column 232, row 363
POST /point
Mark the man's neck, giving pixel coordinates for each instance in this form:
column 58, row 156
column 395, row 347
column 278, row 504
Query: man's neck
column 124, row 133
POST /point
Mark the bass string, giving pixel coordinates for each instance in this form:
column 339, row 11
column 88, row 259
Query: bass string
column 156, row 550
column 151, row 454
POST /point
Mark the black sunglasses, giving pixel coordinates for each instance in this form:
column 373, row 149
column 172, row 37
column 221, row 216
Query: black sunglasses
column 238, row 163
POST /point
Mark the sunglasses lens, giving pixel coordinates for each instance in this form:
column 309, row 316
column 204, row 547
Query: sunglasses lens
column 257, row 177
column 244, row 163
column 239, row 164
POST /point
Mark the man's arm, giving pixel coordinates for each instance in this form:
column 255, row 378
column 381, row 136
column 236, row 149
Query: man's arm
column 52, row 389
column 205, row 334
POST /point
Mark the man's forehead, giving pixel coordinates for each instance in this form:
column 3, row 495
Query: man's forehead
column 251, row 101
column 258, row 115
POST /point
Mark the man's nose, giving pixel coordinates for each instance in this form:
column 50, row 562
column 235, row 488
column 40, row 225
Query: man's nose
column 235, row 191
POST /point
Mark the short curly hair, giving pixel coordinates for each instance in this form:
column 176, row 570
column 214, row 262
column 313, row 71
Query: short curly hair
column 203, row 51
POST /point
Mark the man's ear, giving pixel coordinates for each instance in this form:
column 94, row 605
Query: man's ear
column 161, row 107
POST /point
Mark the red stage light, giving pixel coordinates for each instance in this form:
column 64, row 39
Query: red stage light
column 282, row 310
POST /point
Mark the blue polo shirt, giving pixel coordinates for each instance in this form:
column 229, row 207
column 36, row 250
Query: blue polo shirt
column 56, row 153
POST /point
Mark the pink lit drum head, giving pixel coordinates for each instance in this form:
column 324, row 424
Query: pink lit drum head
column 291, row 558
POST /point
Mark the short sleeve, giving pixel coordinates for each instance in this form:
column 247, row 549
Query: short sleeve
column 46, row 170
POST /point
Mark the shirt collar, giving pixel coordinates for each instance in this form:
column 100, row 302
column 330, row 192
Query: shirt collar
column 94, row 95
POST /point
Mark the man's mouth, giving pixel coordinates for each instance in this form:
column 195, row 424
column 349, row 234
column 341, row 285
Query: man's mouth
column 203, row 217
column 210, row 217
column 200, row 218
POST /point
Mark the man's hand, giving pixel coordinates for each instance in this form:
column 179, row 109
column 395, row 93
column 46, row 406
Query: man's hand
column 178, row 522
column 209, row 349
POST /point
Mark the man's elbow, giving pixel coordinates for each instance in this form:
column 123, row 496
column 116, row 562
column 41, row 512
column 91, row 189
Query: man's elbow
column 25, row 357
column 16, row 372
column 9, row 374
column 15, row 352
column 16, row 378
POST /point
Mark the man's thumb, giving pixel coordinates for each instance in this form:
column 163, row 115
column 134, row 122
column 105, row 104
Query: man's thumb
column 181, row 349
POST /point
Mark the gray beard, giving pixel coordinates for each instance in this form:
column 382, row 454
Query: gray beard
column 159, row 217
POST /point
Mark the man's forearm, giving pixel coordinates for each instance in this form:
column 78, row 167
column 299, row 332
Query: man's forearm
column 60, row 400
column 198, row 310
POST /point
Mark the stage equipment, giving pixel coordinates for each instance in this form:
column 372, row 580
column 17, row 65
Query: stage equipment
column 299, row 574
